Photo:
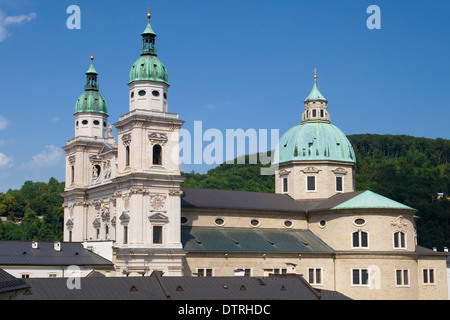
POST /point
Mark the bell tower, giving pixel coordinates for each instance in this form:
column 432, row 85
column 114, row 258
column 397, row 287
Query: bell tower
column 148, row 229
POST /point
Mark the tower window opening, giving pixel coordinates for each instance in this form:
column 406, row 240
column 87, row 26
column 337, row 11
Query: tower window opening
column 96, row 122
column 127, row 156
column 72, row 174
column 157, row 235
column 321, row 113
column 314, row 113
column 84, row 122
column 157, row 154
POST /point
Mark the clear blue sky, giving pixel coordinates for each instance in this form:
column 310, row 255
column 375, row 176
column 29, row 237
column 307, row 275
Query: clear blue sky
column 232, row 64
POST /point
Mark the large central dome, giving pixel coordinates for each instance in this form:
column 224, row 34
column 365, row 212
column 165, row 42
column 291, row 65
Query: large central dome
column 313, row 141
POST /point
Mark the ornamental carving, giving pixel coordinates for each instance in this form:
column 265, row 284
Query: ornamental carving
column 400, row 222
column 339, row 171
column 175, row 193
column 126, row 139
column 158, row 138
column 283, row 172
column 310, row 170
column 71, row 160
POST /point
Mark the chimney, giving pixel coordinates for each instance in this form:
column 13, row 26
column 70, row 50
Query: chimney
column 34, row 245
column 57, row 246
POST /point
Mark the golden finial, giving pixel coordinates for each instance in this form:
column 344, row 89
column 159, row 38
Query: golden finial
column 315, row 75
column 92, row 55
column 148, row 14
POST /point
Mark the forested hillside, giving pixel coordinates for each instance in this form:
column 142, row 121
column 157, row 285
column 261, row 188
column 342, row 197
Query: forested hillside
column 410, row 170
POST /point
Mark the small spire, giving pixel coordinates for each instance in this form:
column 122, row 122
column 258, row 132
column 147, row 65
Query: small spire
column 148, row 14
column 315, row 75
column 92, row 55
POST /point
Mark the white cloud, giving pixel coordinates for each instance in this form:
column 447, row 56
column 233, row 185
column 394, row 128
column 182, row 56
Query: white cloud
column 5, row 162
column 11, row 20
column 50, row 156
column 3, row 123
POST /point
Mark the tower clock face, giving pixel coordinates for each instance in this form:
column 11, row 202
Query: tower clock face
column 157, row 203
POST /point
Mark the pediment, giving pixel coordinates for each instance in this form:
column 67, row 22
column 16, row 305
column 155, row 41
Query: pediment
column 158, row 217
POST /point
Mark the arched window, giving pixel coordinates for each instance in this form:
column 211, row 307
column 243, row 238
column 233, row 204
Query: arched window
column 360, row 239
column 157, row 154
column 399, row 240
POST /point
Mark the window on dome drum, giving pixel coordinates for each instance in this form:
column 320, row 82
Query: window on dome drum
column 285, row 184
column 184, row 220
column 311, row 183
column 157, row 235
column 142, row 93
column 254, row 222
column 132, row 95
column 96, row 122
column 157, row 154
column 315, row 275
column 360, row 277
column 165, row 95
column 155, row 93
column 322, row 223
column 314, row 113
column 428, row 276
column 84, row 122
column 401, row 278
column 399, row 240
column 321, row 113
column 360, row 239
column 339, row 184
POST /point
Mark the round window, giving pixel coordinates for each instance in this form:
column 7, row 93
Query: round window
column 219, row 222
column 165, row 95
column 360, row 222
column 322, row 223
column 155, row 93
column 254, row 222
column 288, row 224
column 142, row 93
column 77, row 124
column 96, row 122
column 132, row 95
column 84, row 122
column 184, row 220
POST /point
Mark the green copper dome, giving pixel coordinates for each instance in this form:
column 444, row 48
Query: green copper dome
column 149, row 67
column 91, row 101
column 312, row 141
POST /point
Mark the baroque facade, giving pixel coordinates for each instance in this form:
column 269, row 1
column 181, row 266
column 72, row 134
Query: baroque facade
column 127, row 191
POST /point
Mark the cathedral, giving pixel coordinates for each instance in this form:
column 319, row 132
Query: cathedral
column 126, row 192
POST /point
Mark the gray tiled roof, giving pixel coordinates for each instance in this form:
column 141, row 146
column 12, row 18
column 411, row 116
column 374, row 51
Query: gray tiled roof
column 216, row 239
column 9, row 283
column 72, row 253
column 208, row 198
column 157, row 287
